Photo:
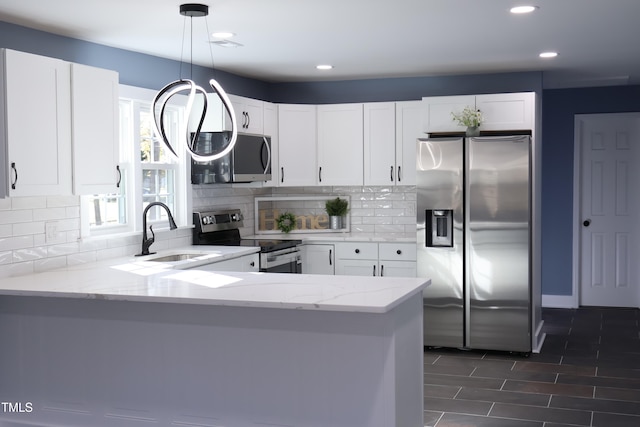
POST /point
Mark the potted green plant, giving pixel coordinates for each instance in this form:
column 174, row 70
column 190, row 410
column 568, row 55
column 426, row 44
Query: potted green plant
column 469, row 117
column 336, row 209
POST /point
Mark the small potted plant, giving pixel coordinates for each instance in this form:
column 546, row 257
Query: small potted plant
column 469, row 117
column 336, row 209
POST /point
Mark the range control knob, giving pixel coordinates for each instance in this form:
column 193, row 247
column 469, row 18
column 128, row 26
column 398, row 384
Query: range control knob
column 205, row 220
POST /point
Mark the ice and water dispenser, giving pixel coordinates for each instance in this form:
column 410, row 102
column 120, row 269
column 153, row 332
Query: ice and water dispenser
column 439, row 227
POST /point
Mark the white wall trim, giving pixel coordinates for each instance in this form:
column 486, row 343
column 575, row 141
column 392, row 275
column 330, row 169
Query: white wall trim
column 559, row 301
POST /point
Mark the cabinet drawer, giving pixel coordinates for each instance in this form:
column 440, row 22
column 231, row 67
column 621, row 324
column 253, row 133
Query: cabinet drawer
column 357, row 250
column 397, row 251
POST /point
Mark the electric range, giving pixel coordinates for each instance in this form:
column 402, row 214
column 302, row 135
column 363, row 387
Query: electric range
column 222, row 227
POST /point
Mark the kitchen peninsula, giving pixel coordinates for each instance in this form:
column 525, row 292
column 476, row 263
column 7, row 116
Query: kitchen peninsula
column 128, row 343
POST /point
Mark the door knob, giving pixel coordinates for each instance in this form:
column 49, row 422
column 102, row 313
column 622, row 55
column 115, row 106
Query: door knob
column 586, row 222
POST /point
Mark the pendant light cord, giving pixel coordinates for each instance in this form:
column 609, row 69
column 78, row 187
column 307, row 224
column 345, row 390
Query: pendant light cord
column 182, row 61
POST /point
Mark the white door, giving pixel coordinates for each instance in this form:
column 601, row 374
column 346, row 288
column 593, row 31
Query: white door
column 609, row 223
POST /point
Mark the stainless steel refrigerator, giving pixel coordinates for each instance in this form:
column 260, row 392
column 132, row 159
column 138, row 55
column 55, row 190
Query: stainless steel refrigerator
column 474, row 241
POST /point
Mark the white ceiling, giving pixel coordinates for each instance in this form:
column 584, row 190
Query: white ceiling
column 283, row 40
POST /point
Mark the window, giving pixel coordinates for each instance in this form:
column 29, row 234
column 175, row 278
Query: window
column 159, row 167
column 147, row 168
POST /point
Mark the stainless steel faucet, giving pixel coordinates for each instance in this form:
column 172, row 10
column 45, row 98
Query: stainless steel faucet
column 147, row 242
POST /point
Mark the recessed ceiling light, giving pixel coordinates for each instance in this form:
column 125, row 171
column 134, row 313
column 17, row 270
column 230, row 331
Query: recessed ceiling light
column 222, row 35
column 523, row 9
column 324, row 67
column 548, row 54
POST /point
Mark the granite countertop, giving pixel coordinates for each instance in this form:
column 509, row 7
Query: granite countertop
column 139, row 279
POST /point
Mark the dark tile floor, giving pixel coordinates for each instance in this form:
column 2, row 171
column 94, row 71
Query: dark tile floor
column 587, row 374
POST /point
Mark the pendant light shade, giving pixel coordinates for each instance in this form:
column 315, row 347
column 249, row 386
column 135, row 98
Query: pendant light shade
column 181, row 85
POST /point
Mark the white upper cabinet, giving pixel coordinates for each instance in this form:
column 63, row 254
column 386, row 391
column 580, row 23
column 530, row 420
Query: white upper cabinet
column 271, row 129
column 507, row 111
column 390, row 133
column 501, row 111
column 410, row 117
column 249, row 115
column 438, row 112
column 95, row 131
column 35, row 125
column 296, row 145
column 380, row 144
column 340, row 144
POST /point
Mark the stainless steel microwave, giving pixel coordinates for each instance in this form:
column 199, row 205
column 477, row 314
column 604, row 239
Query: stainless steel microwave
column 249, row 161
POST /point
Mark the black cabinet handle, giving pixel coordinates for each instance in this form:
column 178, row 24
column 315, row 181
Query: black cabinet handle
column 586, row 222
column 248, row 120
column 330, row 260
column 252, row 264
column 381, row 270
column 119, row 176
column 320, row 174
column 357, row 251
column 391, row 174
column 15, row 171
column 374, row 269
column 282, row 174
column 399, row 173
column 399, row 252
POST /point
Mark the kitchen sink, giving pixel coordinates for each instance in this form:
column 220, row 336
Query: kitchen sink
column 174, row 257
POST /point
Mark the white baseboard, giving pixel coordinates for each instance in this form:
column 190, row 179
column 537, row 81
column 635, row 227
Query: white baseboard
column 559, row 301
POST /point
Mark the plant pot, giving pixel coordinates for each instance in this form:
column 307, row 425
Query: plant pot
column 473, row 131
column 335, row 222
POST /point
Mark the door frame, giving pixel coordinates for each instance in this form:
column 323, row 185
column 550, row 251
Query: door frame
column 577, row 193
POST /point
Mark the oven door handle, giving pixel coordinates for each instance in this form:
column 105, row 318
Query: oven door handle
column 291, row 256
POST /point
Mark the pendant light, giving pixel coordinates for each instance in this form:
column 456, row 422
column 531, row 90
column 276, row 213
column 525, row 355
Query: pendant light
column 191, row 10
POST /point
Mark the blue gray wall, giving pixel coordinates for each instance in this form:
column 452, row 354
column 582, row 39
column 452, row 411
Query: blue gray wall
column 558, row 106
column 558, row 110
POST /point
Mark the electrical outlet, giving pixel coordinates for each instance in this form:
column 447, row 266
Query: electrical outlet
column 51, row 231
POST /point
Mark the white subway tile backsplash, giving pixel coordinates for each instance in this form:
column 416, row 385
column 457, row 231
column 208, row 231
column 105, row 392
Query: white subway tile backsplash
column 6, row 230
column 49, row 214
column 62, row 201
column 18, row 242
column 385, row 211
column 15, row 216
column 29, row 254
column 6, row 257
column 27, row 228
column 18, row 203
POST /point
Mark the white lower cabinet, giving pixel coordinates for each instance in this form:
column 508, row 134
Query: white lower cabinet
column 397, row 259
column 376, row 259
column 318, row 259
column 245, row 264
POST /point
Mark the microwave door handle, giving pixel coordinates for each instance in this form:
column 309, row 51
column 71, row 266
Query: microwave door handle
column 266, row 143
